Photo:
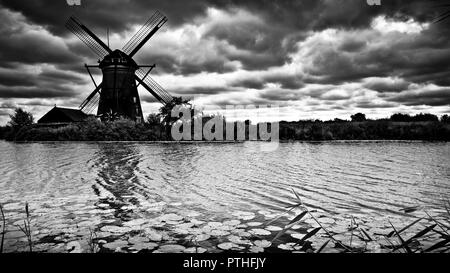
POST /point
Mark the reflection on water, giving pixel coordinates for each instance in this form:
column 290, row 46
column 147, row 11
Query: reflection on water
column 75, row 188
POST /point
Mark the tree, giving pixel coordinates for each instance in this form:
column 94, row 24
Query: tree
column 445, row 119
column 425, row 117
column 358, row 117
column 20, row 119
column 153, row 119
column 399, row 117
column 165, row 112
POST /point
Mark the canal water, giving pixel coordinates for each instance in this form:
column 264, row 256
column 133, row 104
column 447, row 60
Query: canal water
column 211, row 197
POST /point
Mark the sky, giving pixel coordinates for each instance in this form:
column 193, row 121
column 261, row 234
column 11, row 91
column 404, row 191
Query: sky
column 278, row 60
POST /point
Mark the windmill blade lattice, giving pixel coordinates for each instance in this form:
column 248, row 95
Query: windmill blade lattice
column 86, row 36
column 158, row 89
column 145, row 33
column 91, row 106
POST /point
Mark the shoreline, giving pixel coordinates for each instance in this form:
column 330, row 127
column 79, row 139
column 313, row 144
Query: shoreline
column 232, row 142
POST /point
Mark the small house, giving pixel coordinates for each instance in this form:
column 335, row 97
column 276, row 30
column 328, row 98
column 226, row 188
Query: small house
column 59, row 115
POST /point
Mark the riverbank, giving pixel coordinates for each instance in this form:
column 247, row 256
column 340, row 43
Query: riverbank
column 125, row 130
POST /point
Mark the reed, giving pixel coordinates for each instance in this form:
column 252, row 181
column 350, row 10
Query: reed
column 413, row 244
column 3, row 228
column 92, row 241
column 26, row 228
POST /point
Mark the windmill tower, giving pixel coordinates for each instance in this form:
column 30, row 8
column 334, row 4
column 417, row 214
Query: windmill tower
column 117, row 95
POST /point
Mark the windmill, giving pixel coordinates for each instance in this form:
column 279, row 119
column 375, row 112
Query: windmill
column 117, row 94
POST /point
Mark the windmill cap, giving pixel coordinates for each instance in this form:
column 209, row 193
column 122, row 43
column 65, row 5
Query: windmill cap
column 117, row 57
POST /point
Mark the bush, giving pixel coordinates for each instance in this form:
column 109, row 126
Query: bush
column 358, row 117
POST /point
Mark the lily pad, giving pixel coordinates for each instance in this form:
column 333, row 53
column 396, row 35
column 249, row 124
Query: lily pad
column 141, row 246
column 171, row 217
column 218, row 232
column 227, row 246
column 232, row 222
column 195, row 250
column 255, row 249
column 288, row 246
column 262, row 243
column 115, row 245
column 154, row 235
column 74, row 247
column 171, row 248
column 260, row 231
column 214, row 224
column 136, row 222
column 202, row 237
column 114, row 229
column 238, row 240
column 298, row 236
column 254, row 224
column 273, row 228
column 138, row 240
column 196, row 222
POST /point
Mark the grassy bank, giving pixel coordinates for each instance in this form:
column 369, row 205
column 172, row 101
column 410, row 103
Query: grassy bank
column 125, row 130
column 158, row 127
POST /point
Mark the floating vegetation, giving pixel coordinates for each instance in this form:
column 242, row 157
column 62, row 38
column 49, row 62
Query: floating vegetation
column 298, row 229
column 171, row 249
column 254, row 224
column 74, row 247
column 229, row 246
column 2, row 239
column 195, row 250
column 260, row 232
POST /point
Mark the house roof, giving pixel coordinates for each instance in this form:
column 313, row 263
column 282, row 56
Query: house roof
column 59, row 114
column 73, row 114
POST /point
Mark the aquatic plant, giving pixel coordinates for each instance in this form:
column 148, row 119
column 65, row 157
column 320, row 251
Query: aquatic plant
column 3, row 228
column 26, row 228
column 92, row 241
column 412, row 244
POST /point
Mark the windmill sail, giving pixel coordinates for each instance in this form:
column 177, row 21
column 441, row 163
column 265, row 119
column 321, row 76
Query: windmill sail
column 153, row 87
column 88, row 37
column 119, row 95
column 145, row 33
column 91, row 96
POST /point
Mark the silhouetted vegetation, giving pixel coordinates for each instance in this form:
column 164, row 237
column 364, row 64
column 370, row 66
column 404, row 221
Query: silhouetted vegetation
column 367, row 130
column 91, row 130
column 157, row 127
column 358, row 117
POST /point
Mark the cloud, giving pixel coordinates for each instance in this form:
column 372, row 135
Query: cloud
column 387, row 84
column 431, row 95
column 314, row 57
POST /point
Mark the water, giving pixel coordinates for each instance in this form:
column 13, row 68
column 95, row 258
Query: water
column 119, row 190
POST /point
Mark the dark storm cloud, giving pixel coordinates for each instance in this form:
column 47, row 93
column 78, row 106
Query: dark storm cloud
column 415, row 58
column 115, row 14
column 23, row 43
column 35, row 92
column 387, row 85
column 280, row 95
column 371, row 105
column 20, row 83
column 438, row 97
column 170, row 63
column 200, row 90
column 261, row 35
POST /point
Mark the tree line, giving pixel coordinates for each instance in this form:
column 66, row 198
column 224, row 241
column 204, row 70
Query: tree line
column 22, row 127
